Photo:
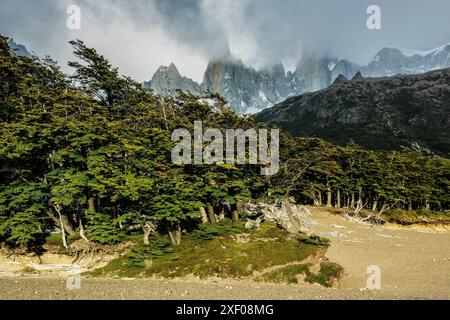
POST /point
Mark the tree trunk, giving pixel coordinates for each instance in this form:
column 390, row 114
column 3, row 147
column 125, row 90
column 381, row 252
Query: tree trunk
column 91, row 205
column 178, row 237
column 329, row 204
column 212, row 218
column 175, row 234
column 427, row 204
column 320, row 198
column 375, row 205
column 297, row 226
column 148, row 228
column 338, row 200
column 146, row 236
column 316, row 201
column 240, row 206
column 384, row 207
column 203, row 215
column 360, row 194
column 235, row 216
column 172, row 239
column 352, row 201
column 222, row 214
column 82, row 232
column 359, row 207
column 410, row 206
column 68, row 228
column 63, row 233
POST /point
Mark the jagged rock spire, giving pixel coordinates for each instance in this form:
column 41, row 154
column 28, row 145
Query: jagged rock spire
column 358, row 76
column 340, row 79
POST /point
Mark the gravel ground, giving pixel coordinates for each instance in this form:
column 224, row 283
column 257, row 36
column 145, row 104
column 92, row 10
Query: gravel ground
column 414, row 264
column 148, row 289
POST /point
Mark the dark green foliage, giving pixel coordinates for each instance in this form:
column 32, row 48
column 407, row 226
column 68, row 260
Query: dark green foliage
column 94, row 150
column 327, row 276
column 101, row 229
column 224, row 256
column 156, row 248
column 328, row 273
column 322, row 174
column 417, row 217
column 21, row 229
column 315, row 240
column 209, row 231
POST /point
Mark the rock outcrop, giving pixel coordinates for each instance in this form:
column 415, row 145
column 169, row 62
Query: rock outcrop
column 167, row 80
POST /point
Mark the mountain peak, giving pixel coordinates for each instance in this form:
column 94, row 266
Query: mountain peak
column 392, row 61
column 19, row 49
column 250, row 90
column 167, row 80
column 341, row 78
column 358, row 76
column 411, row 53
column 171, row 69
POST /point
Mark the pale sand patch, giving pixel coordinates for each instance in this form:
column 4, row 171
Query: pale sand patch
column 413, row 260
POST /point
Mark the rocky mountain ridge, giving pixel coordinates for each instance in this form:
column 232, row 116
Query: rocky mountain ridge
column 249, row 90
column 379, row 113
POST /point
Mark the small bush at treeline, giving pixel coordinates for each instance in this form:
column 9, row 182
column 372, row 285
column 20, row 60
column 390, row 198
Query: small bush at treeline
column 101, row 229
column 209, row 231
column 21, row 229
column 316, row 240
column 416, row 216
column 156, row 248
column 326, row 276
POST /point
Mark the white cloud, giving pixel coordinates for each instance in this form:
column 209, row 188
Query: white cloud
column 140, row 35
column 137, row 50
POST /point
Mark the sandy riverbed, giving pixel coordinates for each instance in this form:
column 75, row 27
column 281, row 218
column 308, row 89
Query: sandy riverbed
column 414, row 264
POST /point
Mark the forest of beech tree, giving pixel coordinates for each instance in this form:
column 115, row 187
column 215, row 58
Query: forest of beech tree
column 90, row 154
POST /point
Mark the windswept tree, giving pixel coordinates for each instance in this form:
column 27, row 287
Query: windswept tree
column 90, row 155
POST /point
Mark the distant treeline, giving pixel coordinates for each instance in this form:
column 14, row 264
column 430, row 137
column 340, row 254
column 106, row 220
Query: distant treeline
column 91, row 155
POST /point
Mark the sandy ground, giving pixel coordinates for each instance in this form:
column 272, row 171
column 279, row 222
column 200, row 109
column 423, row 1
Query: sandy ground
column 414, row 264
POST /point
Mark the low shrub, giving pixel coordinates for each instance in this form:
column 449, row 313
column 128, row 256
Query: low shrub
column 101, row 229
column 210, row 231
column 315, row 240
column 156, row 248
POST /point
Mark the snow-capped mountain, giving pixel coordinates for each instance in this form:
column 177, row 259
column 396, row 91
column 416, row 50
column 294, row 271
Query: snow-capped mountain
column 392, row 61
column 21, row 50
column 249, row 90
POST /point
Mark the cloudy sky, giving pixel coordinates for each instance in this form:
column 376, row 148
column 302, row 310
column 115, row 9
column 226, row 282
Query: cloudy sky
column 140, row 35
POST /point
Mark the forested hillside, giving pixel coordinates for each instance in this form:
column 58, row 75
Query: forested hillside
column 90, row 154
